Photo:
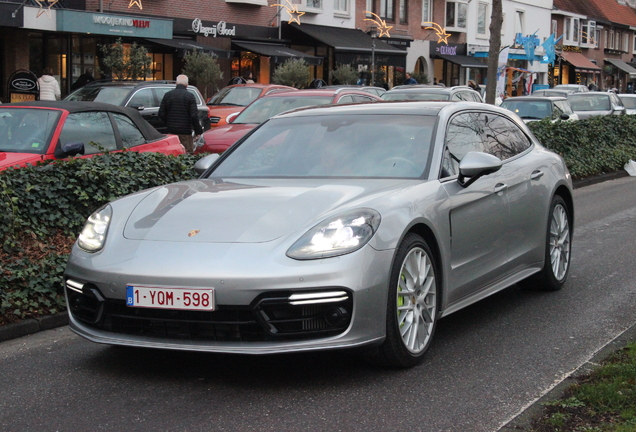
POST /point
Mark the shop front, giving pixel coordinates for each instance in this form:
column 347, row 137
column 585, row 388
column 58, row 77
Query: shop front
column 574, row 68
column 619, row 75
column 452, row 66
column 338, row 46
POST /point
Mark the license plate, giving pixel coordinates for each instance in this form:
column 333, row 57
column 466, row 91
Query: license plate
column 170, row 298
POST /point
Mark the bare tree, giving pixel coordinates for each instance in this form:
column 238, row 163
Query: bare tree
column 496, row 21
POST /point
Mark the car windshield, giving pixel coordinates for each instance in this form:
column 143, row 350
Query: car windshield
column 368, row 146
column 265, row 108
column 529, row 109
column 629, row 102
column 111, row 95
column 583, row 102
column 26, row 130
column 236, row 96
column 412, row 96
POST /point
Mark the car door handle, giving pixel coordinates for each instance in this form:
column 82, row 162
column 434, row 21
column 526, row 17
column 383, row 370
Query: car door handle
column 536, row 175
column 500, row 187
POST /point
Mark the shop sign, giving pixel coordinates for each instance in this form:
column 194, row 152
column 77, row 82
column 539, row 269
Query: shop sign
column 107, row 24
column 447, row 49
column 23, row 86
column 521, row 40
column 220, row 29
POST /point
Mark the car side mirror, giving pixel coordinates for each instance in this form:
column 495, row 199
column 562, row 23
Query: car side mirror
column 475, row 165
column 204, row 163
column 138, row 107
column 565, row 116
column 70, row 149
column 230, row 118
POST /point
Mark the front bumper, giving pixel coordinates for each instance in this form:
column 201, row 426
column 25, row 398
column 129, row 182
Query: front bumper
column 254, row 313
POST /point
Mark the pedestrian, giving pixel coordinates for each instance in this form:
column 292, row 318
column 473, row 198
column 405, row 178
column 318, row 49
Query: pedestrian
column 409, row 79
column 49, row 87
column 248, row 78
column 179, row 112
column 473, row 85
column 83, row 79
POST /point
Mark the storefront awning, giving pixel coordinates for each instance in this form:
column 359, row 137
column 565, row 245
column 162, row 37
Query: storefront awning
column 278, row 53
column 463, row 61
column 187, row 45
column 579, row 62
column 349, row 40
column 623, row 66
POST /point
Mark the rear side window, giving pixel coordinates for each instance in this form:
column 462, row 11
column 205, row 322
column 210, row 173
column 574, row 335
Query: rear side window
column 143, row 97
column 94, row 129
column 130, row 135
column 503, row 138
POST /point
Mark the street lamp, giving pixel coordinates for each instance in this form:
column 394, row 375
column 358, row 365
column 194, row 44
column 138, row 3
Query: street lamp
column 374, row 34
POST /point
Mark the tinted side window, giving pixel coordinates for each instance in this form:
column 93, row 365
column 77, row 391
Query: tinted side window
column 130, row 135
column 464, row 134
column 346, row 99
column 143, row 97
column 196, row 95
column 87, row 128
column 503, row 138
column 359, row 98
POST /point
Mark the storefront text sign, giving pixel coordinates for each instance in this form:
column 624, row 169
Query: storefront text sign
column 220, row 29
column 107, row 24
column 23, row 86
column 447, row 49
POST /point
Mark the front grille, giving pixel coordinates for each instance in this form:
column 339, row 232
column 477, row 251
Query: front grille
column 271, row 317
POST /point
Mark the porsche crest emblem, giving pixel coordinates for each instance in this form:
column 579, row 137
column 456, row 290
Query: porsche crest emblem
column 193, row 233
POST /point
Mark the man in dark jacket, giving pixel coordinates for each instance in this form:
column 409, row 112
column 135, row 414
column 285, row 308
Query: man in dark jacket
column 179, row 112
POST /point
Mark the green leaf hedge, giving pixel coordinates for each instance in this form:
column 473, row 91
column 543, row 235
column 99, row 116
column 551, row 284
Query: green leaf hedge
column 43, row 208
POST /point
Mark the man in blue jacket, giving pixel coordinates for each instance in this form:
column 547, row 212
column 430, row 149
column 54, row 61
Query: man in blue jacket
column 409, row 79
column 179, row 112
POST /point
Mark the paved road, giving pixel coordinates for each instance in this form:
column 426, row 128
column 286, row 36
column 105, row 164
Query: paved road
column 488, row 361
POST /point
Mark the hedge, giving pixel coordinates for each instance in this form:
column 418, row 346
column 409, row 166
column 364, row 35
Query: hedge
column 43, row 208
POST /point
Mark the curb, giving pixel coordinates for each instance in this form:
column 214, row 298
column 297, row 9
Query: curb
column 523, row 420
column 599, row 179
column 34, row 325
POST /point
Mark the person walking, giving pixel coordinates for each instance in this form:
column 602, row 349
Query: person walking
column 49, row 87
column 85, row 78
column 409, row 79
column 179, row 112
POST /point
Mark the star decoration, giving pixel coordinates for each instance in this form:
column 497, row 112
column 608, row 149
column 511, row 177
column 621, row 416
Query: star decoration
column 42, row 9
column 135, row 2
column 439, row 31
column 292, row 10
column 384, row 29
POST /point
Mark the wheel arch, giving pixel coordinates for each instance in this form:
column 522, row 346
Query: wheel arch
column 565, row 193
column 429, row 237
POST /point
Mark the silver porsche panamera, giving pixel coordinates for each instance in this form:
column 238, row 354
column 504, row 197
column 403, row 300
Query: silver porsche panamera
column 330, row 227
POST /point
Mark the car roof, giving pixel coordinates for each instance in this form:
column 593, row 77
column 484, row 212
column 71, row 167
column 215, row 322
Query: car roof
column 321, row 92
column 581, row 94
column 385, row 108
column 82, row 106
column 428, row 89
column 536, row 98
column 108, row 83
column 258, row 85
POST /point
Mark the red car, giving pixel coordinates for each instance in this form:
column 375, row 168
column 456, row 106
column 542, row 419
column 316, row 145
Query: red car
column 219, row 139
column 35, row 131
column 233, row 99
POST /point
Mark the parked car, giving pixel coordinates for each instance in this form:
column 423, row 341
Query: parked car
column 576, row 88
column 219, row 139
column 144, row 96
column 534, row 108
column 432, row 92
column 31, row 132
column 629, row 101
column 355, row 226
column 590, row 104
column 378, row 91
column 553, row 92
column 234, row 98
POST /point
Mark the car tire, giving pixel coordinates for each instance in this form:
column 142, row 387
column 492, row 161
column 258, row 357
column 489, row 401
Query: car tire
column 557, row 251
column 412, row 305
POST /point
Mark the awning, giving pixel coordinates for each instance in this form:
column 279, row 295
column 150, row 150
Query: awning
column 623, row 66
column 463, row 61
column 579, row 62
column 347, row 40
column 278, row 53
column 186, row 45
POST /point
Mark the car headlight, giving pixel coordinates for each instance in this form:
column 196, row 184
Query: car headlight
column 92, row 237
column 338, row 235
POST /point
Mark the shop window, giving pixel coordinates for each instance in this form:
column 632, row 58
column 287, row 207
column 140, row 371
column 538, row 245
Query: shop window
column 386, row 10
column 456, row 15
column 402, row 9
column 341, row 7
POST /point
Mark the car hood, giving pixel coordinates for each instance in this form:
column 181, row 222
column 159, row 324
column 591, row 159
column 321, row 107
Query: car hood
column 216, row 211
column 10, row 159
column 228, row 134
